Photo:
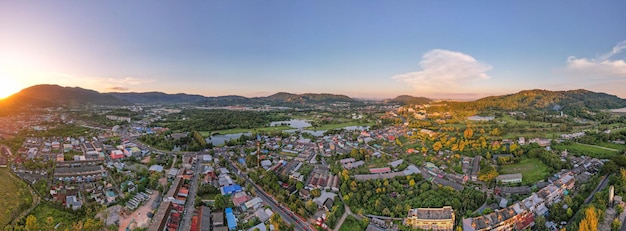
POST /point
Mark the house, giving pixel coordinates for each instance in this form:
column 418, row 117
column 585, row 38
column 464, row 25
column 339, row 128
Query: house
column 72, row 202
column 380, row 170
column 328, row 204
column 394, row 164
column 204, row 221
column 207, row 158
column 117, row 154
column 510, row 178
column 263, row 214
column 230, row 219
column 156, row 168
column 173, row 172
column 253, row 203
column 218, row 219
column 230, row 189
column 304, row 193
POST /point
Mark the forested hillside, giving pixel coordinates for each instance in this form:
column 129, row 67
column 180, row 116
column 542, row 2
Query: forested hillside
column 544, row 99
column 213, row 120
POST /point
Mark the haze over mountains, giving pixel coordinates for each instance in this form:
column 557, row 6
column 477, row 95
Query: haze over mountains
column 54, row 95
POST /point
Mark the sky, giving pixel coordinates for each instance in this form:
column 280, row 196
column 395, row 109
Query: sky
column 364, row 49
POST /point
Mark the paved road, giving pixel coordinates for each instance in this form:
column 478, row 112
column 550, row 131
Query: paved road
column 600, row 186
column 285, row 213
column 185, row 224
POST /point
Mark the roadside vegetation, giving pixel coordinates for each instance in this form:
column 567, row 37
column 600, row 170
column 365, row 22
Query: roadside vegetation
column 16, row 197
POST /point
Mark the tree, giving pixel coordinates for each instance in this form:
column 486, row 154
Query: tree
column 468, row 133
column 386, row 212
column 570, row 212
column 437, row 146
column 412, row 183
column 344, row 175
column 316, row 192
column 311, row 206
column 31, row 223
column 590, row 222
column 487, row 172
column 616, row 225
column 49, row 223
column 220, row 202
column 276, row 220
column 78, row 226
column 92, row 225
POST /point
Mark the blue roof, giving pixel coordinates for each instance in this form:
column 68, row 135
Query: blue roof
column 230, row 189
column 242, row 160
column 230, row 219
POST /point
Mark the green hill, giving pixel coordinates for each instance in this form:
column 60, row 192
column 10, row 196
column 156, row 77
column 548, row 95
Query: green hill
column 407, row 99
column 544, row 99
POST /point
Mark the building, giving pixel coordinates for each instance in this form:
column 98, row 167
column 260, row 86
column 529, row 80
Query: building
column 431, row 218
column 230, row 219
column 510, row 178
column 204, row 221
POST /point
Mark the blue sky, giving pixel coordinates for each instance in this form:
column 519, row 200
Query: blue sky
column 376, row 49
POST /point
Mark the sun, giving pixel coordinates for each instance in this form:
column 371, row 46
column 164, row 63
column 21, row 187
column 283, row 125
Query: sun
column 8, row 86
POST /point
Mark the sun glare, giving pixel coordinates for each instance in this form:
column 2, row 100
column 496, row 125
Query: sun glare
column 8, row 86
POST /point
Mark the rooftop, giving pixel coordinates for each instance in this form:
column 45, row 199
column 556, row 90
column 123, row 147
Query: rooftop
column 432, row 213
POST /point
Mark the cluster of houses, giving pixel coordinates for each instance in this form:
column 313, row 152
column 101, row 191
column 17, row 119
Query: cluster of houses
column 521, row 215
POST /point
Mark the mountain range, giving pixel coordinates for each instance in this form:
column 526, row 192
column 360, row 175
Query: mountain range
column 54, row 95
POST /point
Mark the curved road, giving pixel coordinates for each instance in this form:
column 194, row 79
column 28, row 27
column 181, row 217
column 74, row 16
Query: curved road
column 285, row 213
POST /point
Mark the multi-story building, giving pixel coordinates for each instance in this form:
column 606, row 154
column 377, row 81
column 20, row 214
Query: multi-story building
column 431, row 218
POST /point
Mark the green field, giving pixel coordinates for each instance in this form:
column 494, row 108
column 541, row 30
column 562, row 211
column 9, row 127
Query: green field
column 612, row 145
column 351, row 223
column 15, row 196
column 532, row 170
column 510, row 120
column 591, row 151
column 65, row 218
column 244, row 130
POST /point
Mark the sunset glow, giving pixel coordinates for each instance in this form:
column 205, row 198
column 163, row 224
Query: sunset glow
column 8, row 86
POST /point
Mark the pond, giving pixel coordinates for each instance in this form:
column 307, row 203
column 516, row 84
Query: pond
column 219, row 140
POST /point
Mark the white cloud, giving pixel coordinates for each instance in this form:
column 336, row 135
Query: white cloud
column 600, row 67
column 443, row 70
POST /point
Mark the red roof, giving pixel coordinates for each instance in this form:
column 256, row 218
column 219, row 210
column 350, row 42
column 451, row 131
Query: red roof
column 194, row 223
column 380, row 170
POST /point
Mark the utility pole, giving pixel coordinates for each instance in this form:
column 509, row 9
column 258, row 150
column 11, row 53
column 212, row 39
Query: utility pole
column 258, row 154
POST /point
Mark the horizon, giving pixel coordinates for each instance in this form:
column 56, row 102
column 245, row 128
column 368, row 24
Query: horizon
column 439, row 50
column 358, row 98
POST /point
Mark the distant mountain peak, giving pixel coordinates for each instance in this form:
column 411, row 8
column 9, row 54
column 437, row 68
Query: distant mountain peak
column 407, row 99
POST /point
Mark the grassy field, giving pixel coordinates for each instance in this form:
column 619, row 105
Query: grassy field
column 532, row 170
column 15, row 196
column 612, row 145
column 65, row 218
column 590, row 151
column 339, row 125
column 244, row 130
column 350, row 224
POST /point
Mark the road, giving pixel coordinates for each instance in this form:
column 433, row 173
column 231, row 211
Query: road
column 601, row 185
column 285, row 213
column 185, row 224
